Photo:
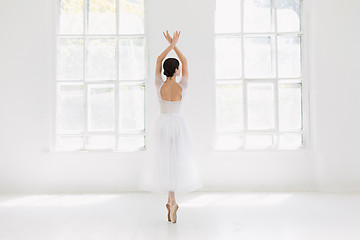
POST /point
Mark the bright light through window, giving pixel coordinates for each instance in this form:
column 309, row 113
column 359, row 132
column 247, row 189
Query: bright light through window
column 100, row 75
column 259, row 74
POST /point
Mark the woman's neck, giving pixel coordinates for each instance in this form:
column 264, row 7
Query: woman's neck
column 171, row 78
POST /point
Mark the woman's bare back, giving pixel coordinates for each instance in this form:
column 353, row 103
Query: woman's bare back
column 171, row 91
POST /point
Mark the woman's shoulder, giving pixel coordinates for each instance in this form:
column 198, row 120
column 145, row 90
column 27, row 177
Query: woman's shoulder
column 158, row 81
column 184, row 82
column 159, row 78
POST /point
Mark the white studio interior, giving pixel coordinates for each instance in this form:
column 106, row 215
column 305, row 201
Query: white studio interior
column 272, row 103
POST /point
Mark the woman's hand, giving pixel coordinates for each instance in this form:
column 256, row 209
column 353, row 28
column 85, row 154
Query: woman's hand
column 175, row 37
column 172, row 40
column 167, row 36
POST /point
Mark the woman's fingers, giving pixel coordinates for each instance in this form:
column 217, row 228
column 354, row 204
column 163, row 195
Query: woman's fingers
column 167, row 36
column 175, row 37
column 177, row 33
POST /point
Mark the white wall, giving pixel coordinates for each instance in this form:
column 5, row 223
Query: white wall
column 26, row 83
column 335, row 71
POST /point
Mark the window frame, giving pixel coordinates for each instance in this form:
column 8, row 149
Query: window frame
column 304, row 81
column 56, row 36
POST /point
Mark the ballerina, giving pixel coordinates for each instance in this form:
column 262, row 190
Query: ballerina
column 174, row 165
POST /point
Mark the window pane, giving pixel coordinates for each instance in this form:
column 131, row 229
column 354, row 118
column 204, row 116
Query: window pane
column 70, row 59
column 131, row 16
column 71, row 16
column 69, row 142
column 101, row 142
column 289, row 57
column 228, row 57
column 229, row 141
column 253, row 141
column 229, row 106
column 258, row 67
column 70, row 108
column 260, row 105
column 290, row 106
column 131, row 58
column 288, row 15
column 258, row 15
column 100, row 63
column 131, row 142
column 290, row 140
column 227, row 16
column 258, row 57
column 102, row 16
column 131, row 114
column 101, row 107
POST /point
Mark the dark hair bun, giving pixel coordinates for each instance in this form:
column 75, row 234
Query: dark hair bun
column 170, row 65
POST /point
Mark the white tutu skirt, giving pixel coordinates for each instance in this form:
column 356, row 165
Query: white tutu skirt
column 173, row 164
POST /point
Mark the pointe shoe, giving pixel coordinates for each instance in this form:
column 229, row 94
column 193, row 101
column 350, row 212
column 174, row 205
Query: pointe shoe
column 168, row 208
column 173, row 210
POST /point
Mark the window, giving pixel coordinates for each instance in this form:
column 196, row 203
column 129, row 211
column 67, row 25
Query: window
column 259, row 74
column 100, row 75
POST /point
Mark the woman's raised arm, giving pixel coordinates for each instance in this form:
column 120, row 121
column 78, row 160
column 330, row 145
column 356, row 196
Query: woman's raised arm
column 161, row 57
column 185, row 71
column 166, row 52
column 170, row 47
column 159, row 60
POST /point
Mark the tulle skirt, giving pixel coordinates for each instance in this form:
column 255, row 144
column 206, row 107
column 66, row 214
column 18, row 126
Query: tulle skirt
column 173, row 164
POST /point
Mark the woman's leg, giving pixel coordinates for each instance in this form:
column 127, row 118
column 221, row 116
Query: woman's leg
column 171, row 197
column 172, row 207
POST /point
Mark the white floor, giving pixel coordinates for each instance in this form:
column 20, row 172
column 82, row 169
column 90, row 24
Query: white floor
column 201, row 215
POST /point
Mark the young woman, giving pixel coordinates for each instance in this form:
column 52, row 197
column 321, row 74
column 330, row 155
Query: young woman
column 174, row 164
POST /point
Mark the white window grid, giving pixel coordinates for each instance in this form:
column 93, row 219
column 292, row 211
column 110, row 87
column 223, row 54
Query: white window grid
column 85, row 36
column 303, row 80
